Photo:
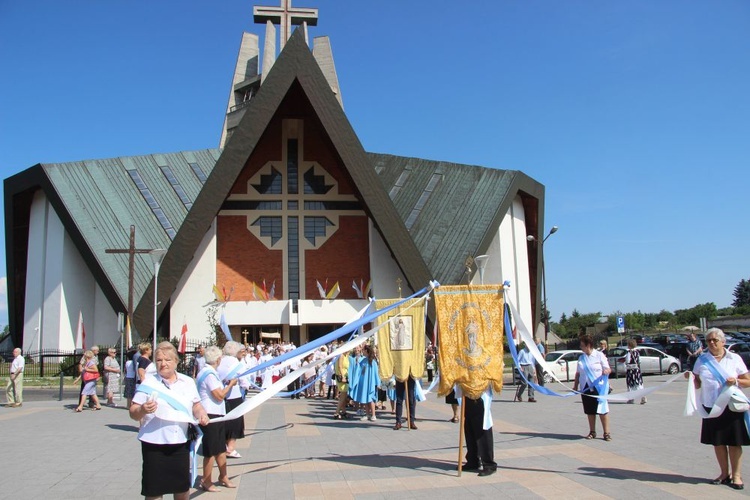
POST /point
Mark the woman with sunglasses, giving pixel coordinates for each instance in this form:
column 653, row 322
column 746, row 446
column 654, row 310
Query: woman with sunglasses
column 727, row 432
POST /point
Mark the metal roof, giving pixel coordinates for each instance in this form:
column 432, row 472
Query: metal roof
column 448, row 208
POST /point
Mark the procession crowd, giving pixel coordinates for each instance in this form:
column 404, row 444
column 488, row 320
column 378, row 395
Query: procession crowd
column 218, row 384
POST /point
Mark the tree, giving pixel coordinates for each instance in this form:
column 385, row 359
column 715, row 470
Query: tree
column 742, row 294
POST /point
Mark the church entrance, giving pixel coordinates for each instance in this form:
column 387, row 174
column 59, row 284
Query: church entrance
column 316, row 331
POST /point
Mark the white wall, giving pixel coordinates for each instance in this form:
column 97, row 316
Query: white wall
column 509, row 260
column 384, row 271
column 194, row 289
column 59, row 285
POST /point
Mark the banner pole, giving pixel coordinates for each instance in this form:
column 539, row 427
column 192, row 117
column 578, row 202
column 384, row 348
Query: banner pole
column 406, row 398
column 461, row 438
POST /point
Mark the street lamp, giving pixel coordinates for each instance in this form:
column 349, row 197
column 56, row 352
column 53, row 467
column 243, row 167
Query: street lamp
column 481, row 262
column 530, row 237
column 157, row 254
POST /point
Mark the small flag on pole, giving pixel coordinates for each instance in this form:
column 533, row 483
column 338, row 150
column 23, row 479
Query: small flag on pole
column 183, row 339
column 334, row 291
column 224, row 326
column 128, row 335
column 81, row 334
column 321, row 290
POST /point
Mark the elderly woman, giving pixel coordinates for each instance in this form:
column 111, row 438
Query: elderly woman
column 592, row 365
column 90, row 374
column 111, row 376
column 228, row 369
column 727, row 432
column 212, row 392
column 165, row 446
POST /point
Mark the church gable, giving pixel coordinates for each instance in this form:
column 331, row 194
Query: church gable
column 292, row 217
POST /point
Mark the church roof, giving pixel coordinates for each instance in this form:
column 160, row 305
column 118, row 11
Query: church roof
column 431, row 214
column 451, row 210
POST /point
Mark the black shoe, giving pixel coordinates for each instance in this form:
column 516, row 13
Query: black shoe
column 470, row 468
column 718, row 480
column 736, row 486
column 486, row 472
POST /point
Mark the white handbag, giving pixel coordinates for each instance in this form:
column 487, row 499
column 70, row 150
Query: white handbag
column 738, row 403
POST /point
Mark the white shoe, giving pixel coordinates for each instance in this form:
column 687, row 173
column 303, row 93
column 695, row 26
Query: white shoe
column 234, row 454
column 373, row 418
column 363, row 417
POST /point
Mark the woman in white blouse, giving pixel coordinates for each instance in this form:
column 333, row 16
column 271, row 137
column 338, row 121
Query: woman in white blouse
column 597, row 365
column 164, row 404
column 727, row 432
column 212, row 393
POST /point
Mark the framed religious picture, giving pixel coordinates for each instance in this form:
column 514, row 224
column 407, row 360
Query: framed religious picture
column 401, row 333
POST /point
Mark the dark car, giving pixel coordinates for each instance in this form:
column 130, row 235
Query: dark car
column 679, row 350
column 741, row 348
column 666, row 339
column 653, row 345
column 639, row 339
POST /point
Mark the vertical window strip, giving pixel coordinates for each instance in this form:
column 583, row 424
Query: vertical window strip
column 198, row 172
column 293, row 257
column 292, row 169
column 178, row 189
column 400, row 182
column 422, row 201
column 152, row 203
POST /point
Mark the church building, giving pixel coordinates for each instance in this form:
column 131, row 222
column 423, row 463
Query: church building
column 285, row 229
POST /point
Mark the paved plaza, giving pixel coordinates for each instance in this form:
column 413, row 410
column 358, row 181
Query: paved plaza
column 294, row 449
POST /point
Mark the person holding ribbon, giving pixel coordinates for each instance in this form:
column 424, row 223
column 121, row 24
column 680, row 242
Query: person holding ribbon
column 212, row 392
column 592, row 376
column 166, row 404
column 228, row 369
column 720, row 374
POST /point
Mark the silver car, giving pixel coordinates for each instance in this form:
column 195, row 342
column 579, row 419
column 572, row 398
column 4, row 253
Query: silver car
column 652, row 361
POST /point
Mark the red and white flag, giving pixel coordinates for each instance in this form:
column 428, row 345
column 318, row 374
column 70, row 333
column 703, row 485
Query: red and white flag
column 81, row 334
column 182, row 347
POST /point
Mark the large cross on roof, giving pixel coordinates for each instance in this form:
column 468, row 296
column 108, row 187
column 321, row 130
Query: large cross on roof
column 286, row 17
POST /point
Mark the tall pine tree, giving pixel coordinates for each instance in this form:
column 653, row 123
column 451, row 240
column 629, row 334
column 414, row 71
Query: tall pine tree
column 742, row 294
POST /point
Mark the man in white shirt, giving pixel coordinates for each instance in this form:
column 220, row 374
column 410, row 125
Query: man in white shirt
column 14, row 389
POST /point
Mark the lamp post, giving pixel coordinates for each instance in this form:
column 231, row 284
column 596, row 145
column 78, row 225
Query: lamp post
column 157, row 254
column 530, row 237
column 481, row 262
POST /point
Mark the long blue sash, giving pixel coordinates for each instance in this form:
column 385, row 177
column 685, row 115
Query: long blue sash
column 205, row 374
column 601, row 384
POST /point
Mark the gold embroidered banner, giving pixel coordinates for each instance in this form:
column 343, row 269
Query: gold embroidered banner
column 470, row 342
column 401, row 342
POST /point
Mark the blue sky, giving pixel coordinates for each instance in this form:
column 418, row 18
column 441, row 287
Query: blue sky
column 634, row 115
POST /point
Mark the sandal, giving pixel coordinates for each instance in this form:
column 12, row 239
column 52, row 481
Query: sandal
column 78, row 410
column 454, row 420
column 720, row 480
column 592, row 435
column 209, row 488
column 227, row 484
column 607, row 436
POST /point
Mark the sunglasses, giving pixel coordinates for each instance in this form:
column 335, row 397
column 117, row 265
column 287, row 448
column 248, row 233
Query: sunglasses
column 712, row 341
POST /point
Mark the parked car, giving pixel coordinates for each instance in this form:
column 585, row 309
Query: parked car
column 741, row 348
column 670, row 338
column 639, row 339
column 652, row 361
column 563, row 364
column 679, row 350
